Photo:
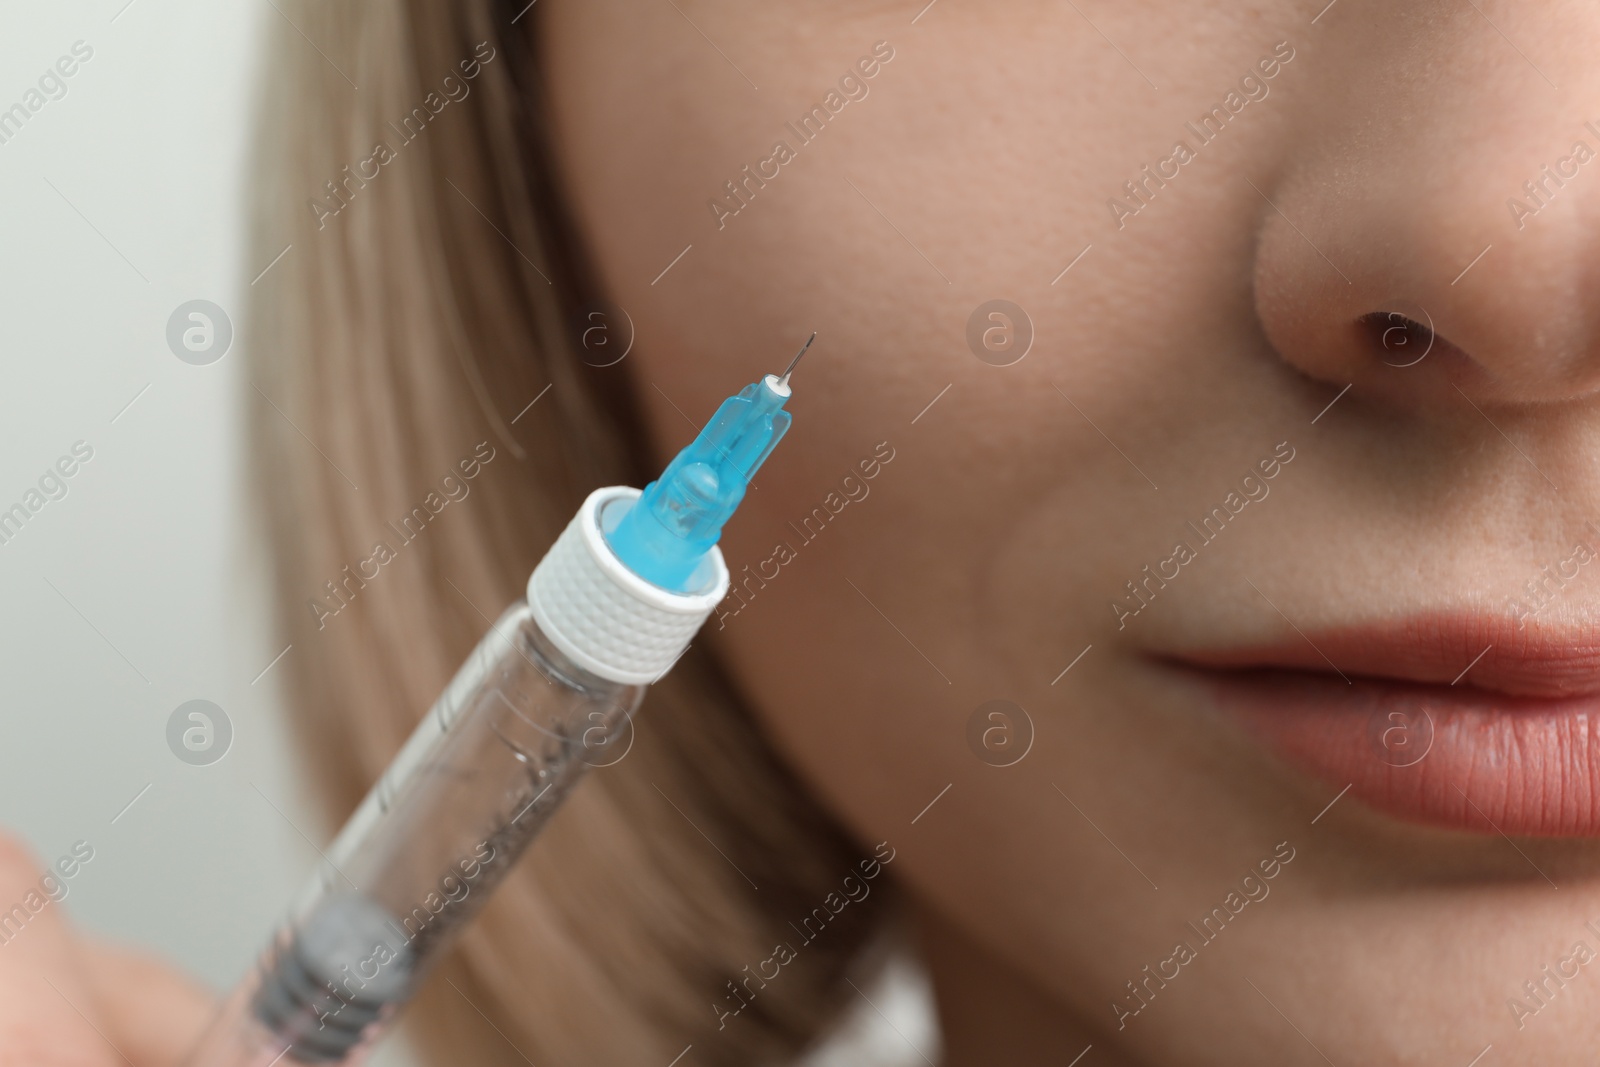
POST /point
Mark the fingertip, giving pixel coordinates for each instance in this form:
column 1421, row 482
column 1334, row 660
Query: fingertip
column 19, row 864
column 157, row 1011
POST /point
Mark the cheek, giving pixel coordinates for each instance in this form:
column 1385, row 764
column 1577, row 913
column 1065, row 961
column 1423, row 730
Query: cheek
column 891, row 261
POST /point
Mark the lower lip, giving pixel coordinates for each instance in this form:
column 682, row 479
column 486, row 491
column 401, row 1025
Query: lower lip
column 1455, row 757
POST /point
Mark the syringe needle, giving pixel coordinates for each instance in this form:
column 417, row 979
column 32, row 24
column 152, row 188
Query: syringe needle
column 783, row 380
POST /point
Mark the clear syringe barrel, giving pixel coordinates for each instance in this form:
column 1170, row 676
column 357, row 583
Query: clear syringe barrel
column 475, row 783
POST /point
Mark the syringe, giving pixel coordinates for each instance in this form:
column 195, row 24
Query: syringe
column 543, row 697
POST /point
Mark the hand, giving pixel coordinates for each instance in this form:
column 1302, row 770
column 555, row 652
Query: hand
column 67, row 1001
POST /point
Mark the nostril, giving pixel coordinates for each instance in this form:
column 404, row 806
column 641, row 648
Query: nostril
column 1399, row 340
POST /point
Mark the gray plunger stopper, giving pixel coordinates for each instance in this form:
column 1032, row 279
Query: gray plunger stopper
column 340, row 969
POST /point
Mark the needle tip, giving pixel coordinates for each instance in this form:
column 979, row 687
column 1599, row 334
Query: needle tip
column 784, row 378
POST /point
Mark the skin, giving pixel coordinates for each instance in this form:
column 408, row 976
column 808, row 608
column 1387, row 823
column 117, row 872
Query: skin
column 1208, row 329
column 1191, row 341
column 68, row 1000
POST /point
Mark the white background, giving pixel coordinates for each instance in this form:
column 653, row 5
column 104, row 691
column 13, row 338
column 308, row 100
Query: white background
column 144, row 586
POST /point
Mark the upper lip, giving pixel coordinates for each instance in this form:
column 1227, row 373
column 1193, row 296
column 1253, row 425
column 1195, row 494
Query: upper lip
column 1487, row 651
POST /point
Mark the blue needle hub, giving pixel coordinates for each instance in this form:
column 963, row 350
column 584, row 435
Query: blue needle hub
column 680, row 516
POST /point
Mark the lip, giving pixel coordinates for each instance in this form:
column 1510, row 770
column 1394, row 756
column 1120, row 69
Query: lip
column 1463, row 720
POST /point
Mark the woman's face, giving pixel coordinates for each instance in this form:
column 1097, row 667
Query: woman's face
column 1287, row 598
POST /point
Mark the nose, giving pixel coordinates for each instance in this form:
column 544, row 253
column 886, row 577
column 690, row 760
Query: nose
column 1436, row 224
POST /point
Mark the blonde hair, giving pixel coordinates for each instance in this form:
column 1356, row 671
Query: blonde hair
column 426, row 298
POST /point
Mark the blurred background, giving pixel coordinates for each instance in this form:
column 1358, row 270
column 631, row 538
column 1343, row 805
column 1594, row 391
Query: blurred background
column 137, row 584
column 143, row 587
